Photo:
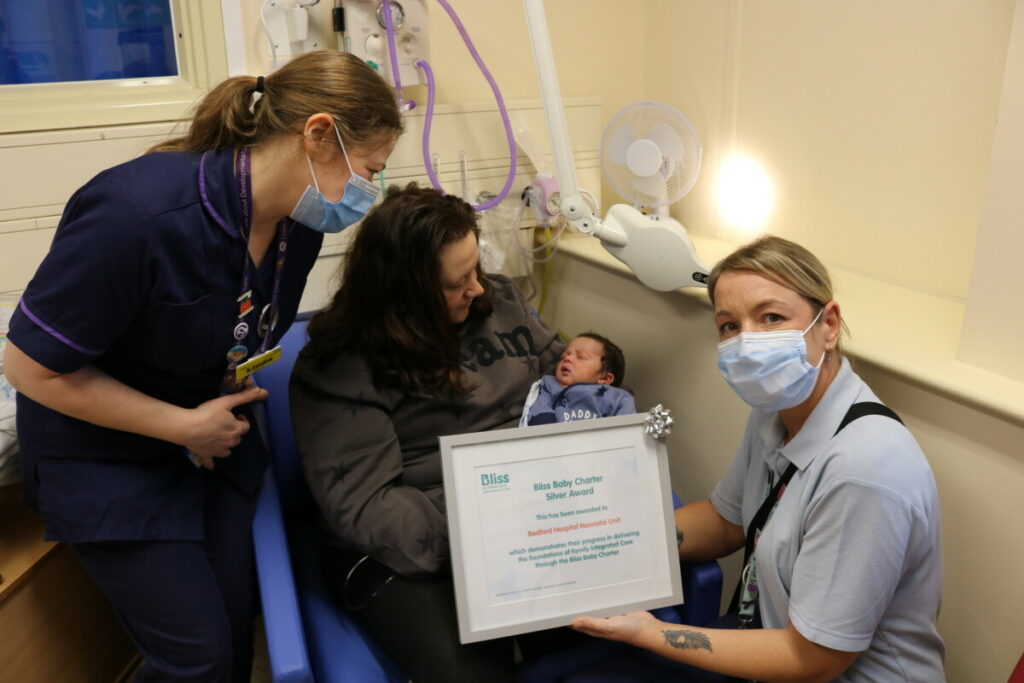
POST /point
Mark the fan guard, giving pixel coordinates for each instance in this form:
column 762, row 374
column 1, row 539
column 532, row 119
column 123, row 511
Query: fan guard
column 650, row 154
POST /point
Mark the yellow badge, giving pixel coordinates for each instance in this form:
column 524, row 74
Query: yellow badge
column 257, row 363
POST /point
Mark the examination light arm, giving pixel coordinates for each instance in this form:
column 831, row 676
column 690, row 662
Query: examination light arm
column 573, row 206
column 659, row 252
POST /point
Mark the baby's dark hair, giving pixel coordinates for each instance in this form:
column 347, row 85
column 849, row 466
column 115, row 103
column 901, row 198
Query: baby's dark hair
column 612, row 359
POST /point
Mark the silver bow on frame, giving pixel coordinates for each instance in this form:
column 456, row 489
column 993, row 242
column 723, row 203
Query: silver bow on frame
column 658, row 422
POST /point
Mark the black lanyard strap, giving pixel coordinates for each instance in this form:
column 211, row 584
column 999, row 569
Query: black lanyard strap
column 856, row 411
column 863, row 409
column 756, row 524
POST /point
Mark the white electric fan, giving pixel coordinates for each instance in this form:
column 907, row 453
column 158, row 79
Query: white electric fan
column 650, row 155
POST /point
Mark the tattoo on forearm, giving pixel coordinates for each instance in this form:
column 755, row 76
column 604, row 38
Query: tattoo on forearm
column 679, row 536
column 687, row 640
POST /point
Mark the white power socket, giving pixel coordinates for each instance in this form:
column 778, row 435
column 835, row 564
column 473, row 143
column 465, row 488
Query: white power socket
column 366, row 36
column 290, row 30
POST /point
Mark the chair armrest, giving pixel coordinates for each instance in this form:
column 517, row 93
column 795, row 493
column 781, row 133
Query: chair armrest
column 339, row 649
column 286, row 642
column 702, row 587
column 702, row 593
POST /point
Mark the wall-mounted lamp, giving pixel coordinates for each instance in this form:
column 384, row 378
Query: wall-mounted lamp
column 744, row 193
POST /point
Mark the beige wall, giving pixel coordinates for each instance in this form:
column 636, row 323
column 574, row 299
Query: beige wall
column 990, row 337
column 874, row 119
column 598, row 46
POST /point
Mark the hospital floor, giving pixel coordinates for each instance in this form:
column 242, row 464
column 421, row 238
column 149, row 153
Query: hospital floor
column 261, row 662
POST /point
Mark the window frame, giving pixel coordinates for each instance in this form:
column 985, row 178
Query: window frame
column 202, row 62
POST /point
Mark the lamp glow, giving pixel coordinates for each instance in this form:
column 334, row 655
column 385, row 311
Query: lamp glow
column 745, row 193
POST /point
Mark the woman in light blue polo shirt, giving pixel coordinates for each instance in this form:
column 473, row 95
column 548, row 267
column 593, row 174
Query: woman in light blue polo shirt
column 830, row 497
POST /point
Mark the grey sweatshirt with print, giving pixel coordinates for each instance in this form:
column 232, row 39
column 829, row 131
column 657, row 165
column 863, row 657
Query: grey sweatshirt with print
column 371, row 455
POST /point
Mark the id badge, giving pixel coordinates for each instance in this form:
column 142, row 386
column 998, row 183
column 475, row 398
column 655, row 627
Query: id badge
column 259, row 362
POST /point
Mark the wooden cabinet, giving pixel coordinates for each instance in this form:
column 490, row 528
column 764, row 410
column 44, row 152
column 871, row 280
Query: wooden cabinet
column 55, row 625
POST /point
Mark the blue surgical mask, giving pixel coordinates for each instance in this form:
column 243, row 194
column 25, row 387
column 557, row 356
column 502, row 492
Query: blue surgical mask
column 314, row 211
column 769, row 370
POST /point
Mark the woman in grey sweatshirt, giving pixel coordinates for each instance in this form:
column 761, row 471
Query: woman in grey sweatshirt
column 417, row 343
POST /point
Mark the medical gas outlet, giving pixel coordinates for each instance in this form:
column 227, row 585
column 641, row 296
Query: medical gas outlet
column 366, row 36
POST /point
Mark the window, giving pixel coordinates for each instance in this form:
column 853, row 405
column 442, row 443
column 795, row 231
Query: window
column 78, row 63
column 72, row 40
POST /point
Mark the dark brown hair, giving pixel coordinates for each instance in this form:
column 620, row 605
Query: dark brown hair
column 390, row 308
column 612, row 358
column 337, row 83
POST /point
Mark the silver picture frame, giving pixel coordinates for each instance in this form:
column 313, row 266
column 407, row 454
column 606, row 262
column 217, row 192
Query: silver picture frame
column 553, row 522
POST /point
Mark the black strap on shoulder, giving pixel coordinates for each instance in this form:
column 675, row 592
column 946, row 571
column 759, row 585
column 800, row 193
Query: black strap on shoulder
column 863, row 409
column 856, row 411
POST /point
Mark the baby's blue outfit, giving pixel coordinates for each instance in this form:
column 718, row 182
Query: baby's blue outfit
column 549, row 402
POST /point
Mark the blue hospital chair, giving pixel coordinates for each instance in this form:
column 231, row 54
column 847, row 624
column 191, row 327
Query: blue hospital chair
column 310, row 639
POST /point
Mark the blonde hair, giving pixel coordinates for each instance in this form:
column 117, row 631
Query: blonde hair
column 236, row 113
column 783, row 262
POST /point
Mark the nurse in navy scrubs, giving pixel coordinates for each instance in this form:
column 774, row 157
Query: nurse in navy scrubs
column 169, row 278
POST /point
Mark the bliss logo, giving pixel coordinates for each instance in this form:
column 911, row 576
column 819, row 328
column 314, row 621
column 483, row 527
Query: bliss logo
column 491, row 479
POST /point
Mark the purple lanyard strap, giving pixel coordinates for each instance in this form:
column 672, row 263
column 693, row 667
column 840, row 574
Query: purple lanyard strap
column 242, row 330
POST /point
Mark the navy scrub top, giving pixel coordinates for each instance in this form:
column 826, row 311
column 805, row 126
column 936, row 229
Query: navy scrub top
column 142, row 282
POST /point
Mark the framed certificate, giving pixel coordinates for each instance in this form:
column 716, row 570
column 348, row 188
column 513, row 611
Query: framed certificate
column 557, row 521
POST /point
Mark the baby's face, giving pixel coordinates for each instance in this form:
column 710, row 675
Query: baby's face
column 581, row 362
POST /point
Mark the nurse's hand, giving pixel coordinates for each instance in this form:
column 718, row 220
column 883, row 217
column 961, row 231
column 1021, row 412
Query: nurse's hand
column 627, row 628
column 215, row 429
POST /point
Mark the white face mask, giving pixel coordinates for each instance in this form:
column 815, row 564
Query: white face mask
column 769, row 370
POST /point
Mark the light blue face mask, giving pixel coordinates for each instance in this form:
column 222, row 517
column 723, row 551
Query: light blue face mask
column 769, row 370
column 314, row 211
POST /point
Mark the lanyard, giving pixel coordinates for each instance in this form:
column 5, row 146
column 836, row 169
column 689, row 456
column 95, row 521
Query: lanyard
column 744, row 599
column 242, row 330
